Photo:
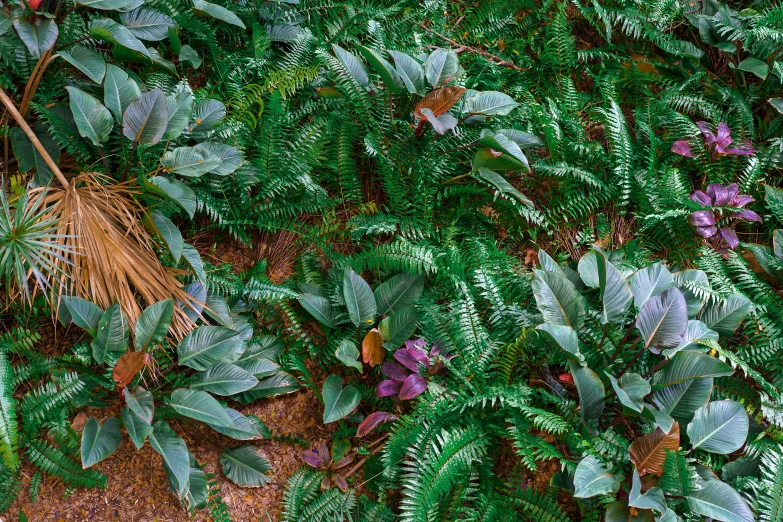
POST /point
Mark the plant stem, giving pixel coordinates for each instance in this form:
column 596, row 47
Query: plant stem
column 491, row 57
column 657, row 367
column 124, row 176
column 623, row 340
column 105, row 160
column 630, row 363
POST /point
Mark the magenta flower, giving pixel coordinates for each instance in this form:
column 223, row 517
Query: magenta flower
column 321, row 458
column 404, row 381
column 717, row 144
column 721, row 200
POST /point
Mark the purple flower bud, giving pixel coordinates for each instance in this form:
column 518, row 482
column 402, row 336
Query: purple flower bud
column 702, row 218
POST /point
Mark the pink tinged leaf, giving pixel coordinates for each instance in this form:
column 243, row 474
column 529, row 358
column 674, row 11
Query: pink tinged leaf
column 404, row 357
column 325, row 483
column 311, row 458
column 387, row 388
column 373, row 420
column 420, row 355
column 724, row 135
column 394, row 371
column 707, row 232
column 719, row 194
column 339, row 480
column 683, row 148
column 746, row 215
column 741, row 200
column 326, row 455
column 704, row 127
column 495, row 153
column 733, row 191
column 343, row 462
column 702, row 218
column 413, row 386
column 741, row 152
column 415, row 343
column 730, row 236
column 701, row 198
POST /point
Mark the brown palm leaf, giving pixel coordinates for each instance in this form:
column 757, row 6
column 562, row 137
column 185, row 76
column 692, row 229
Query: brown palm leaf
column 649, row 452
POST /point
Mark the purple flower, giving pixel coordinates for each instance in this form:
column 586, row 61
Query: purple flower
column 404, row 381
column 721, row 200
column 718, row 144
column 321, row 458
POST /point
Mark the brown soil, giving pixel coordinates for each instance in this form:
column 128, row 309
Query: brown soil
column 137, row 489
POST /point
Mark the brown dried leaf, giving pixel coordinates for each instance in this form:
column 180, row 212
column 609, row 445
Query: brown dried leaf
column 649, row 452
column 439, row 100
column 372, row 348
column 128, row 366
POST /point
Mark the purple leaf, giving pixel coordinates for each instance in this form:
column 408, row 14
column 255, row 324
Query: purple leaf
column 387, row 388
column 325, row 483
column 730, row 236
column 705, row 129
column 415, row 343
column 707, row 232
column 414, row 385
column 746, row 215
column 404, row 357
column 343, row 462
column 733, row 191
column 311, row 458
column 719, row 194
column 394, row 371
column 701, row 198
column 724, row 135
column 339, row 480
column 373, row 420
column 683, row 148
column 702, row 218
column 741, row 152
column 741, row 200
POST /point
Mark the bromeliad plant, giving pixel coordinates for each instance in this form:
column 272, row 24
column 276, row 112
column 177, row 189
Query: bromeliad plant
column 640, row 347
column 715, row 224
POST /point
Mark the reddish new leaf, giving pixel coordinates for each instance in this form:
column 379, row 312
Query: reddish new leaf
column 649, row 452
column 372, row 348
column 373, row 420
column 128, row 366
column 439, row 101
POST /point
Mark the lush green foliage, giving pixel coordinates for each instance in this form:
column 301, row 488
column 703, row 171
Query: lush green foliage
column 475, row 225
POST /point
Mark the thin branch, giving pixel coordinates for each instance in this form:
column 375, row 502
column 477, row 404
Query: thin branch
column 460, row 47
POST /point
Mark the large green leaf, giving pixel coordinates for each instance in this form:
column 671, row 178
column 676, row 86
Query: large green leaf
column 384, row 69
column 111, row 338
column 197, row 495
column 681, row 400
column 566, row 338
column 244, row 428
column 650, row 281
column 93, row 120
column 491, row 159
column 523, row 139
column 398, row 292
column 719, row 427
column 140, row 402
column 591, row 394
column 441, row 66
column 138, row 430
column 230, row 158
column 398, row 327
column 145, row 120
column 153, row 324
column 217, row 12
column 84, row 314
column 169, row 233
column 359, row 298
column 490, row 103
column 110, row 5
column 348, row 354
column 223, row 379
column 206, row 115
column 320, row 308
column 28, row 157
column 557, row 299
column 272, row 386
column 87, row 61
column 110, row 31
column 201, row 406
column 592, row 479
column 588, row 268
column 691, row 365
column 663, row 320
column 245, row 466
column 355, row 66
column 631, row 389
column 694, row 286
column 99, row 441
column 651, row 499
column 189, row 161
column 193, row 259
column 38, row 35
column 500, row 143
column 696, row 337
column 719, row 501
column 615, row 291
column 726, row 316
column 147, row 24
column 178, row 192
column 175, row 454
column 206, row 346
column 409, row 70
column 119, row 91
column 503, row 187
column 338, row 401
column 180, row 107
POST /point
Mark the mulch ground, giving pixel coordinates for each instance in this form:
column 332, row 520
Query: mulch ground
column 137, row 489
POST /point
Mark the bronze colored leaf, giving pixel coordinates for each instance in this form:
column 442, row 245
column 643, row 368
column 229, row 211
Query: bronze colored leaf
column 439, row 101
column 128, row 366
column 649, row 452
column 372, row 348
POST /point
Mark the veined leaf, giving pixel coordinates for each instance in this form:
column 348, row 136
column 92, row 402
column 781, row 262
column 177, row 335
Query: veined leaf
column 566, row 338
column 245, row 466
column 29, row 158
column 217, row 12
column 441, row 66
column 398, row 292
column 439, row 101
column 140, row 402
column 174, row 452
column 372, row 348
column 719, row 427
column 99, row 441
column 147, row 24
column 592, row 479
column 320, row 308
column 189, row 161
column 348, row 354
column 631, row 389
column 93, row 120
column 84, row 314
column 244, row 428
column 719, row 501
column 87, row 61
column 119, row 91
column 663, row 320
column 557, row 299
column 648, row 453
column 153, row 324
column 38, row 35
column 206, row 346
column 112, row 335
column 145, row 120
column 137, row 429
column 384, row 69
column 691, row 365
column 129, row 365
column 223, row 379
column 355, row 66
column 591, row 394
column 339, row 402
column 398, row 327
column 358, row 298
column 180, row 107
column 201, row 406
column 110, row 31
column 651, row 499
column 615, row 291
column 726, row 317
column 230, row 158
column 179, row 193
column 409, row 70
column 650, row 281
column 490, row 103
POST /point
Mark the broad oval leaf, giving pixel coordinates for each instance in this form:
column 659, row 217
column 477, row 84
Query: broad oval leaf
column 93, row 120
column 719, row 501
column 145, row 120
column 147, row 24
column 439, row 101
column 245, row 466
column 99, row 441
column 398, row 327
column 384, row 69
column 490, row 103
column 631, row 389
column 691, row 365
column 206, row 115
column 140, row 402
column 272, row 386
column 725, row 317
column 592, row 479
column 111, row 338
column 398, row 292
column 130, row 364
column 168, row 232
column 591, row 394
column 223, row 379
column 500, row 143
column 244, row 428
column 409, row 70
column 557, row 299
column 180, row 107
column 663, row 320
column 648, row 453
column 355, row 66
column 320, row 308
column 650, row 281
column 259, row 367
column 359, row 298
column 615, row 291
column 119, row 91
column 87, row 61
column 189, row 161
column 153, row 324
column 372, row 348
column 697, row 337
column 178, row 192
column 719, row 427
column 523, row 139
column 441, row 66
column 693, row 284
column 230, row 158
column 138, row 430
column 84, row 314
column 339, row 402
column 502, row 185
column 201, row 406
column 565, row 337
column 175, row 455
column 206, row 346
column 348, row 354
column 651, row 499
column 39, row 35
column 217, row 12
column 110, row 31
column 681, row 400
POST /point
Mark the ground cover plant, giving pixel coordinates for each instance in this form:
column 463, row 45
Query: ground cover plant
column 523, row 260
